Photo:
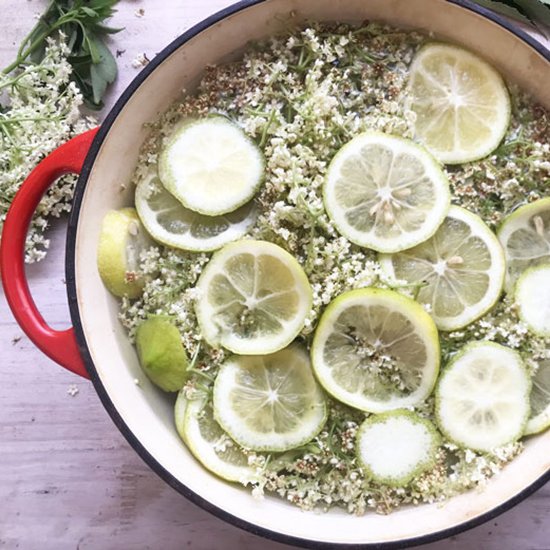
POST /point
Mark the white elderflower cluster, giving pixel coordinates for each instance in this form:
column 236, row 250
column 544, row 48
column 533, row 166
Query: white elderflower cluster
column 39, row 111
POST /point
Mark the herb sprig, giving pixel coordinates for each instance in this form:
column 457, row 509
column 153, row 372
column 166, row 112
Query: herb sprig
column 82, row 23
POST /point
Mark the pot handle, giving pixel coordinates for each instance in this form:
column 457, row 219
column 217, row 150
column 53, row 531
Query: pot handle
column 59, row 345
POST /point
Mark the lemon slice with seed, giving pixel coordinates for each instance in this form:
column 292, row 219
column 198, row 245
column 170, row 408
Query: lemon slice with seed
column 209, row 444
column 269, row 402
column 525, row 237
column 539, row 419
column 532, row 296
column 482, row 398
column 397, row 446
column 211, row 166
column 459, row 271
column 385, row 193
column 253, row 298
column 121, row 241
column 170, row 223
column 376, row 350
column 461, row 103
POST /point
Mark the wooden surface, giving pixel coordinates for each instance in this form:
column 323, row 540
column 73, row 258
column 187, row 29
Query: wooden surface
column 68, row 479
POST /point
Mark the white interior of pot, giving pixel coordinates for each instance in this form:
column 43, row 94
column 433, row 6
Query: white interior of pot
column 148, row 412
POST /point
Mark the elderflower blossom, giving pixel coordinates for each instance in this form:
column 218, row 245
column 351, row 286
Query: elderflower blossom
column 39, row 111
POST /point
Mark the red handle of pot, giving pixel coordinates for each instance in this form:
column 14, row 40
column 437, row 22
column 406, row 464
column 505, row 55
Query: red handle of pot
column 59, row 345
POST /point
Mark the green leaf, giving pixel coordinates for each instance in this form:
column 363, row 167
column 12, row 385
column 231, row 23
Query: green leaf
column 89, row 11
column 106, row 67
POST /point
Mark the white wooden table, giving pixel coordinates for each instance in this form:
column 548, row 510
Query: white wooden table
column 68, row 479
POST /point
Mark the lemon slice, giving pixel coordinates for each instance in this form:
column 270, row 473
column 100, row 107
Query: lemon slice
column 211, row 166
column 482, row 399
column 461, row 103
column 269, row 402
column 253, row 298
column 395, row 447
column 209, row 444
column 376, row 350
column 385, row 193
column 460, row 270
column 161, row 353
column 540, row 399
column 525, row 237
column 532, row 297
column 179, row 412
column 170, row 223
column 121, row 240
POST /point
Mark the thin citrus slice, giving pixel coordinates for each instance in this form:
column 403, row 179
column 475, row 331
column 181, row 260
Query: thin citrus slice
column 461, row 103
column 482, row 398
column 540, row 399
column 525, row 237
column 210, row 445
column 397, row 446
column 121, row 241
column 385, row 193
column 179, row 412
column 170, row 223
column 253, row 298
column 211, row 166
column 269, row 402
column 459, row 271
column 532, row 296
column 376, row 350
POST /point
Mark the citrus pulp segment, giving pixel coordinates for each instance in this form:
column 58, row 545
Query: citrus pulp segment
column 172, row 224
column 532, row 296
column 482, row 398
column 386, row 193
column 539, row 419
column 211, row 166
column 269, row 402
column 212, row 447
column 461, row 103
column 395, row 447
column 376, row 350
column 525, row 237
column 121, row 241
column 253, row 298
column 459, row 271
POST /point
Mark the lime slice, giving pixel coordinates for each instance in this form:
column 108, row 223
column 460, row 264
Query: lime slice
column 253, row 298
column 540, row 399
column 461, row 103
column 376, row 350
column 211, row 166
column 482, row 399
column 161, row 353
column 525, row 237
column 121, row 240
column 395, row 447
column 170, row 223
column 532, row 297
column 460, row 270
column 385, row 192
column 179, row 412
column 269, row 402
column 210, row 445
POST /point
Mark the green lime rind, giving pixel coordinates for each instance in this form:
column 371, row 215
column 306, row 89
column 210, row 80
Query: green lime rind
column 161, row 353
column 271, row 402
column 539, row 419
column 487, row 440
column 525, row 243
column 418, row 101
column 211, row 446
column 532, row 298
column 398, row 146
column 396, row 450
column 254, row 298
column 120, row 241
column 424, row 332
column 423, row 257
column 215, row 203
